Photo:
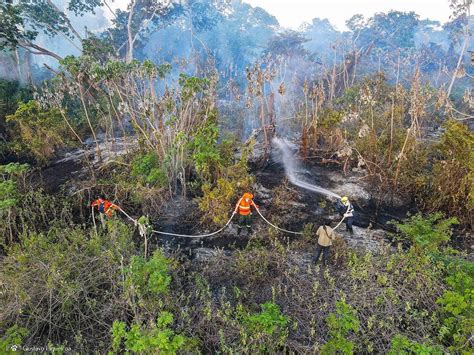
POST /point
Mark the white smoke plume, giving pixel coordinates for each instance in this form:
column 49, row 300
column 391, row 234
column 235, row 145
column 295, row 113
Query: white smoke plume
column 292, row 169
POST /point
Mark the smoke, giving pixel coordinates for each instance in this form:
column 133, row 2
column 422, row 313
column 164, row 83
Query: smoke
column 291, row 168
column 63, row 46
column 321, row 37
column 431, row 32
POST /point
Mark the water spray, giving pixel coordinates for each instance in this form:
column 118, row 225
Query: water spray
column 291, row 168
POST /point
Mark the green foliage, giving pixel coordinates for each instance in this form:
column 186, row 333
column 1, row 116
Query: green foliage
column 13, row 337
column 41, row 131
column 150, row 278
column 12, row 26
column 401, row 345
column 458, row 308
column 265, row 331
column 427, row 234
column 152, row 70
column 376, row 29
column 98, row 48
column 269, row 321
column 157, row 337
column 9, row 193
column 441, row 175
column 330, row 118
column 219, row 199
column 451, row 188
column 147, row 169
column 340, row 324
column 205, row 152
column 14, row 169
column 11, row 94
column 68, row 274
column 192, row 85
column 145, row 225
column 21, row 22
column 116, row 69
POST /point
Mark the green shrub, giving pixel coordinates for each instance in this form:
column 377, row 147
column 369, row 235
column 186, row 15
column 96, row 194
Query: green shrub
column 219, row 199
column 147, row 169
column 269, row 321
column 458, row 308
column 451, row 186
column 13, row 339
column 427, row 234
column 401, row 345
column 9, row 193
column 10, row 176
column 149, row 278
column 265, row 331
column 192, row 85
column 41, row 131
column 60, row 283
column 441, row 175
column 340, row 324
column 205, row 152
column 156, row 338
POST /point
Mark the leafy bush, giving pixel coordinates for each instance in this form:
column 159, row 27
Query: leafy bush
column 149, row 278
column 269, row 321
column 427, row 234
column 12, row 339
column 192, row 85
column 340, row 324
column 265, row 331
column 41, row 131
column 219, row 199
column 401, row 345
column 458, row 308
column 205, row 152
column 451, row 188
column 147, row 169
column 62, row 283
column 11, row 94
column 157, row 337
column 10, row 194
column 441, row 175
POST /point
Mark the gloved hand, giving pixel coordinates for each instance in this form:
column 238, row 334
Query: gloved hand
column 346, row 215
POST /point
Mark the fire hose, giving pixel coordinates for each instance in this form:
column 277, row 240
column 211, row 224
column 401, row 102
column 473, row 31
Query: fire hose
column 343, row 218
column 181, row 235
column 136, row 223
column 274, row 226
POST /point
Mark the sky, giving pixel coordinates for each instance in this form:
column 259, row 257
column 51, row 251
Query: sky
column 292, row 13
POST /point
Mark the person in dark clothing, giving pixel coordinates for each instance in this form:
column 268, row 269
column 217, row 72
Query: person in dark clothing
column 345, row 208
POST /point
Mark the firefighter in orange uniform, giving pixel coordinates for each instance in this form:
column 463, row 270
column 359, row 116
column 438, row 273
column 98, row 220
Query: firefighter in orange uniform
column 243, row 207
column 104, row 206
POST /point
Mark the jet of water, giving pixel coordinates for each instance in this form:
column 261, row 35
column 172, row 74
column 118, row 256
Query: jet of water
column 291, row 168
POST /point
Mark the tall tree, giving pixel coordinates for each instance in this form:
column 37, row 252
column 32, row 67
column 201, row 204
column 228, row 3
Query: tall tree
column 22, row 21
column 461, row 9
column 141, row 18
